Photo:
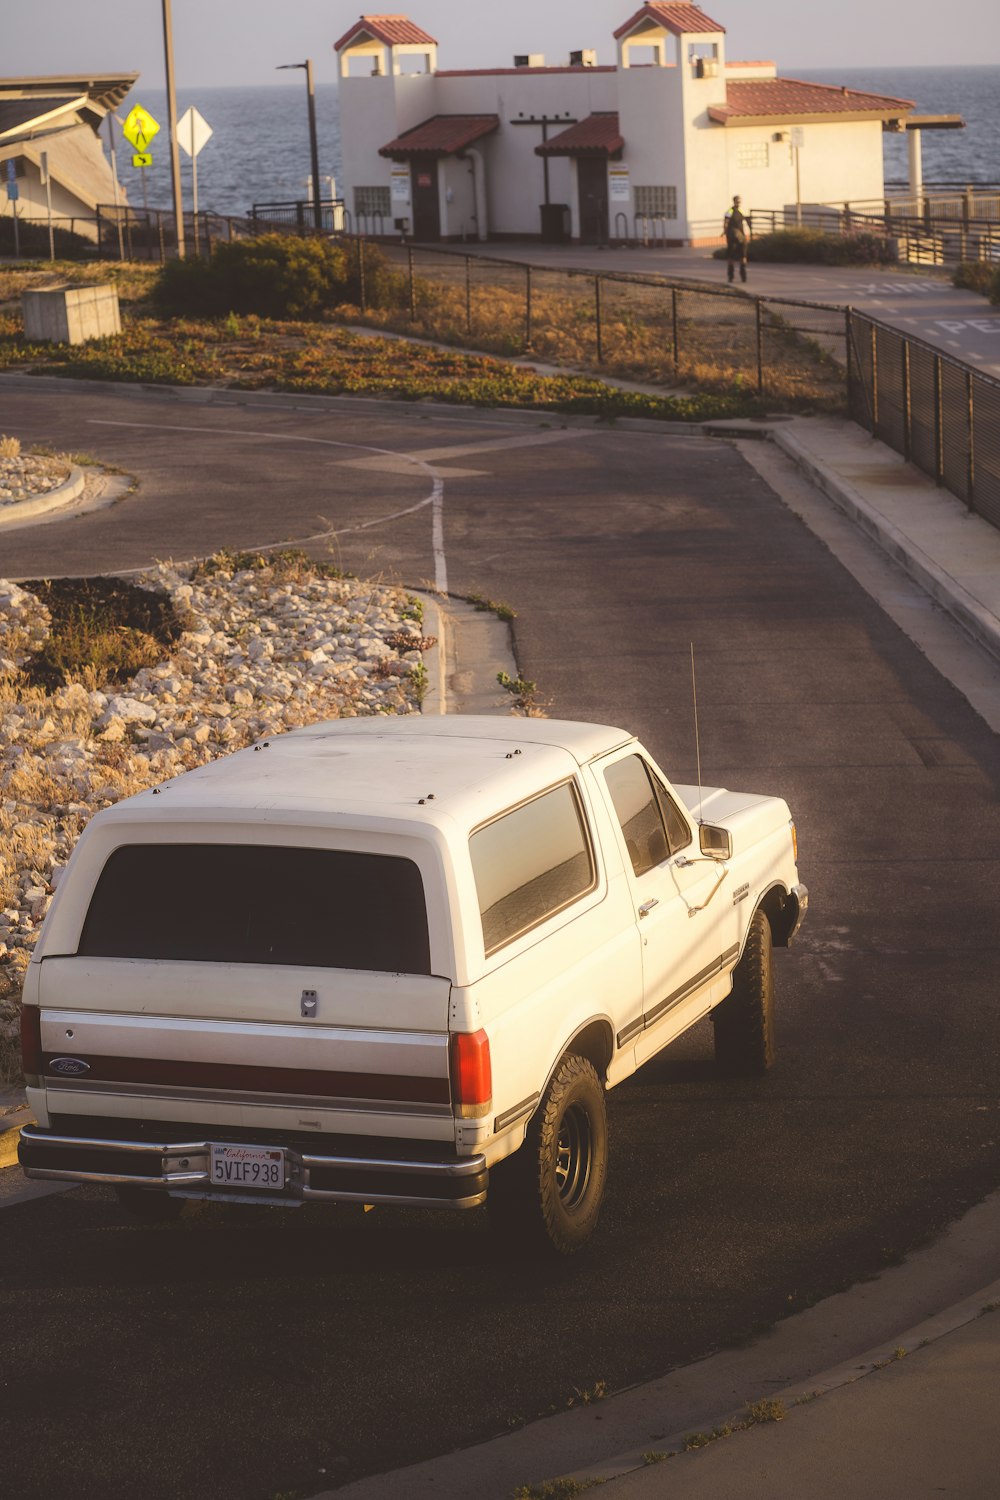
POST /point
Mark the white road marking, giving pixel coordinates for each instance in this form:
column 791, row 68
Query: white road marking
column 435, row 499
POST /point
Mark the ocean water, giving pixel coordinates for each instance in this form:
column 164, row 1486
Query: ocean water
column 971, row 155
column 259, row 151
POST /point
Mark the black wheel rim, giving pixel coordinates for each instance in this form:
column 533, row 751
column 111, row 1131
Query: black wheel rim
column 574, row 1156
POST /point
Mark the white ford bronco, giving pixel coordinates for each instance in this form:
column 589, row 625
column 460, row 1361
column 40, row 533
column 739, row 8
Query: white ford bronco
column 395, row 961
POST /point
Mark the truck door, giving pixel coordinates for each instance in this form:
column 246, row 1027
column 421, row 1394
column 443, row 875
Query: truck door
column 680, row 937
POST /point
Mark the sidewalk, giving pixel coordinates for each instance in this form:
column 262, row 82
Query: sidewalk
column 924, row 1425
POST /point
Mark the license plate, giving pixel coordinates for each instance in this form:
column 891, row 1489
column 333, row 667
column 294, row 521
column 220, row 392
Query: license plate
column 260, row 1167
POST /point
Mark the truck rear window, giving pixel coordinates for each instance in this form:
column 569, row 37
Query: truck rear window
column 260, row 904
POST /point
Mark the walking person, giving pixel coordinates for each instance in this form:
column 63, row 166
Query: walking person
column 736, row 228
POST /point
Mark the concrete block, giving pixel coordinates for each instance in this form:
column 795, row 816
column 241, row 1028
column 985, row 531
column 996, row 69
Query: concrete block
column 70, row 314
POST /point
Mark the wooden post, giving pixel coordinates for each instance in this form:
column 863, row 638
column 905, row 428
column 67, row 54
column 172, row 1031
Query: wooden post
column 760, row 347
column 970, row 481
column 413, row 294
column 597, row 319
column 674, row 294
column 874, row 382
column 907, row 411
column 848, row 366
column 938, row 423
column 361, row 275
column 527, row 308
column 468, row 294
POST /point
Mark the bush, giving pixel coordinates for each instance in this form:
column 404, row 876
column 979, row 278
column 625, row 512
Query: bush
column 978, row 276
column 812, row 246
column 273, row 276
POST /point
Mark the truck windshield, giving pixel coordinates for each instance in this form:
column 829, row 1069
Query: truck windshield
column 260, row 904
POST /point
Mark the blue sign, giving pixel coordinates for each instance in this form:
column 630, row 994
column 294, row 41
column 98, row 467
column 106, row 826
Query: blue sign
column 11, row 169
column 13, row 191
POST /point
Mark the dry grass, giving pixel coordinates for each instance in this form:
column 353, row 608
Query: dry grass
column 640, row 326
column 10, row 447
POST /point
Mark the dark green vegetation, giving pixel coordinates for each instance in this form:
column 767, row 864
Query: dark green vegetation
column 272, row 276
column 812, row 247
column 103, row 631
column 978, row 276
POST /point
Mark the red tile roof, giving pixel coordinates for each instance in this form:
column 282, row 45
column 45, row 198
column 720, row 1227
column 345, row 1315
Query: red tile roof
column 597, row 135
column 441, row 135
column 760, row 98
column 393, row 30
column 679, row 19
column 520, row 72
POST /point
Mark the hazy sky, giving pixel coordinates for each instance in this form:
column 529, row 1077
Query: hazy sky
column 240, row 41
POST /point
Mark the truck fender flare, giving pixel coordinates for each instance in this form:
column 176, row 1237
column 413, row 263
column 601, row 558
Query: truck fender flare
column 593, row 1039
column 783, row 909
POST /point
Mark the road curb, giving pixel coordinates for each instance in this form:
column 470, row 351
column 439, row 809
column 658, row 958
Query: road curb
column 15, row 512
column 796, row 1398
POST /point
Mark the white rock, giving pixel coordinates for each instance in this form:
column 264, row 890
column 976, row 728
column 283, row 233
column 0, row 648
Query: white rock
column 129, row 709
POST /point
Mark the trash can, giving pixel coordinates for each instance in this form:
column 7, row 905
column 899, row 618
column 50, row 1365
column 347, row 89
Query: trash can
column 555, row 223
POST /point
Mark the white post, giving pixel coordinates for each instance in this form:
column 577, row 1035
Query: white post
column 798, row 191
column 915, row 162
column 44, row 159
column 194, row 188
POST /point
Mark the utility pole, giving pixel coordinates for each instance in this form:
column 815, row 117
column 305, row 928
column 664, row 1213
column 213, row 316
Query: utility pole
column 175, row 160
column 313, row 142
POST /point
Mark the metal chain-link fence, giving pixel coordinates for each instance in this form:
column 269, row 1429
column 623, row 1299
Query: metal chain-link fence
column 641, row 328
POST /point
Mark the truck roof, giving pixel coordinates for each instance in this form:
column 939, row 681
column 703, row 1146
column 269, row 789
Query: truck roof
column 415, row 768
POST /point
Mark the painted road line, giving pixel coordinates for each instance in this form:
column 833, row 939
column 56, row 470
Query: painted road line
column 435, row 499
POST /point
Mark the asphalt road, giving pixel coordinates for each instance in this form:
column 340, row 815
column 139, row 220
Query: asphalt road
column 250, row 1354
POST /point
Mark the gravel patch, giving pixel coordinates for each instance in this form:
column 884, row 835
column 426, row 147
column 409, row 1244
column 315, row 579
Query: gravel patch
column 265, row 653
column 28, row 475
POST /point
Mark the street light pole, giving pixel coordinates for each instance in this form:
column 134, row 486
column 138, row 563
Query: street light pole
column 313, row 143
column 175, row 160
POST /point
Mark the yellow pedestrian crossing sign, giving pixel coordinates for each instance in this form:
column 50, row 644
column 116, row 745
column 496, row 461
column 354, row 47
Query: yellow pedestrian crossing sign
column 142, row 159
column 139, row 129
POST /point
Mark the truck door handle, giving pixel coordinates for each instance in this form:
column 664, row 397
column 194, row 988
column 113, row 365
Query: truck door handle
column 647, row 906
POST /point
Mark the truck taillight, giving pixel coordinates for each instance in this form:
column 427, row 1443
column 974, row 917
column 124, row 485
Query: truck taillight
column 795, row 841
column 471, row 1075
column 31, row 1043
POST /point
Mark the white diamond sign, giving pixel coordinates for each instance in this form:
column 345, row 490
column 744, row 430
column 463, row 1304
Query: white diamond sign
column 193, row 130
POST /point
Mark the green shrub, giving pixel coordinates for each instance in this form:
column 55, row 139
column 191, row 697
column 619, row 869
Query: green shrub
column 274, row 276
column 978, row 276
column 812, row 246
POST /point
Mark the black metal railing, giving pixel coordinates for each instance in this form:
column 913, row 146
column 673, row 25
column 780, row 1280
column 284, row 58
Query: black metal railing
column 940, row 413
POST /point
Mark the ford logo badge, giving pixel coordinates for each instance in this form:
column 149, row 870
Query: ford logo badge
column 69, row 1067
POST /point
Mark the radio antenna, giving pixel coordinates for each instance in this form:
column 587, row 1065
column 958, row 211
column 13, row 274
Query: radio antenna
column 697, row 742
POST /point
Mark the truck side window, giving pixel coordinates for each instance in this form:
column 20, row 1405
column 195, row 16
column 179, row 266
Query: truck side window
column 652, row 824
column 530, row 863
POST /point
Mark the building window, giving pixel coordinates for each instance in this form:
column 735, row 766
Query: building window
column 753, row 156
column 656, row 202
column 369, row 201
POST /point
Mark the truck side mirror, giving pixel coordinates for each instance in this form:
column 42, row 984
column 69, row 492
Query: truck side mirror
column 716, row 842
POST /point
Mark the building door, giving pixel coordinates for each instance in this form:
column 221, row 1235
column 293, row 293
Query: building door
column 592, row 185
column 426, row 208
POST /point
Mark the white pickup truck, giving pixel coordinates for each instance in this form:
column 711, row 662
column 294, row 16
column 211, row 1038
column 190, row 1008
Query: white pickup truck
column 395, row 961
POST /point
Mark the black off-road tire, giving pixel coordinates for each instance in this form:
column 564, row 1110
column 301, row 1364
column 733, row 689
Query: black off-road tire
column 744, row 1022
column 151, row 1205
column 548, row 1195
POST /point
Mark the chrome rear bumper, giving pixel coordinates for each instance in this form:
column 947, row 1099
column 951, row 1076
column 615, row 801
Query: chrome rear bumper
column 182, row 1167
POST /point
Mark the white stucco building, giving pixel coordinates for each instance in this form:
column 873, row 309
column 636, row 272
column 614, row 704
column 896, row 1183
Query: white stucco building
column 663, row 138
column 59, row 118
